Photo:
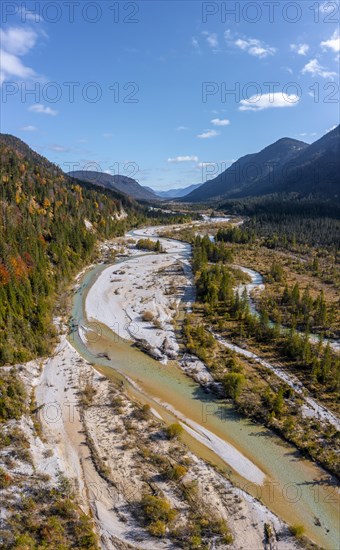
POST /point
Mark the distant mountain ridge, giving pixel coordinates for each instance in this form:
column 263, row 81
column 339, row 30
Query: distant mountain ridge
column 315, row 171
column 176, row 193
column 247, row 170
column 286, row 166
column 123, row 184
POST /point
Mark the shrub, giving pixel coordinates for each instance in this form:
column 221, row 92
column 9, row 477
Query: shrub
column 297, row 530
column 268, row 531
column 147, row 316
column 220, row 527
column 157, row 509
column 174, row 431
column 159, row 460
column 5, row 479
column 12, row 396
column 276, row 272
column 88, row 394
column 117, row 403
column 84, row 531
column 190, row 490
column 233, row 384
column 23, row 454
column 148, row 244
column 176, row 472
column 143, row 412
column 49, row 519
column 53, row 531
column 24, row 541
column 48, row 453
column 64, row 508
column 195, row 541
column 157, row 528
column 228, row 538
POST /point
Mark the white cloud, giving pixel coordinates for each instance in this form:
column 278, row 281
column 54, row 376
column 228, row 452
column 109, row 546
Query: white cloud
column 12, row 66
column 194, row 42
column 268, row 101
column 220, row 122
column 41, row 109
column 18, row 40
column 208, row 134
column 186, row 158
column 255, row 47
column 314, row 68
column 333, row 43
column 211, row 38
column 182, row 128
column 29, row 128
column 306, row 134
column 301, row 49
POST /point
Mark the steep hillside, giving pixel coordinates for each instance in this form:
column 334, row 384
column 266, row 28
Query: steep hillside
column 123, row 184
column 248, row 170
column 314, row 171
column 286, row 166
column 48, row 228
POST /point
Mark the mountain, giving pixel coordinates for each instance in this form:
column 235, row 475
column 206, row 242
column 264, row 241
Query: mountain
column 314, row 171
column 176, row 193
column 248, row 170
column 123, row 184
column 149, row 189
column 49, row 225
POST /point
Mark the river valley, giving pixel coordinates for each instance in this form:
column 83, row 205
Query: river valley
column 106, row 316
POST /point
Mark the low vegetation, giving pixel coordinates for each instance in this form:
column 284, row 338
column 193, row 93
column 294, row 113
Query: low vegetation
column 158, row 514
column 147, row 316
column 297, row 530
column 256, row 392
column 45, row 517
column 12, row 395
column 160, row 481
column 149, row 244
column 174, row 431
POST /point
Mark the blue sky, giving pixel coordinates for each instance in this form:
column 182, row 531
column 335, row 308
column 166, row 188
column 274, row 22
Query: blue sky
column 149, row 80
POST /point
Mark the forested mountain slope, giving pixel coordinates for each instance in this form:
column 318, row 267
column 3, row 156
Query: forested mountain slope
column 314, row 171
column 48, row 228
column 286, row 166
column 247, row 171
column 123, row 184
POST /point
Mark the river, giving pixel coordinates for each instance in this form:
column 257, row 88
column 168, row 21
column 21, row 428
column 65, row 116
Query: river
column 252, row 456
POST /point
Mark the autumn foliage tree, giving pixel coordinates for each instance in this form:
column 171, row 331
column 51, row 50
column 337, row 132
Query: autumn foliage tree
column 43, row 241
